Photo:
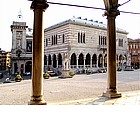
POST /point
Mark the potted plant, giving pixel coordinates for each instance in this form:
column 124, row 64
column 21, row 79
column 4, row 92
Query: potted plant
column 88, row 71
column 71, row 73
column 46, row 76
column 18, row 78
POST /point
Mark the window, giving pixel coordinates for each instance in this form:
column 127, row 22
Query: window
column 54, row 39
column 63, row 39
column 102, row 40
column 78, row 37
column 121, row 42
column 81, row 37
column 99, row 40
column 46, row 42
column 84, row 40
column 29, row 46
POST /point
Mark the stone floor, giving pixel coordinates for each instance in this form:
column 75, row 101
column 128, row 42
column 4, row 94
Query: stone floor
column 128, row 98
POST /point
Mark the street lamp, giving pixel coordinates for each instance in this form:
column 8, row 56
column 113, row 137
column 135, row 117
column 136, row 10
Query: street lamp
column 111, row 13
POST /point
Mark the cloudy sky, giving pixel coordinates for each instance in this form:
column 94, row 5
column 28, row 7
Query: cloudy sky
column 55, row 14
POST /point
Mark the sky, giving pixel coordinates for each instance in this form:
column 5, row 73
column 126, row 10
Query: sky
column 55, row 13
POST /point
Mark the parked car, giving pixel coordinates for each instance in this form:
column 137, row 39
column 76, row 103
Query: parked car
column 1, row 75
column 95, row 71
column 51, row 73
column 119, row 69
column 27, row 73
column 102, row 70
column 128, row 68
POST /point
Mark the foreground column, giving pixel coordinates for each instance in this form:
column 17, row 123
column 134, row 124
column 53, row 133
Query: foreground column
column 111, row 14
column 39, row 7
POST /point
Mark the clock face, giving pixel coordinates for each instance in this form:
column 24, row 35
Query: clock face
column 19, row 34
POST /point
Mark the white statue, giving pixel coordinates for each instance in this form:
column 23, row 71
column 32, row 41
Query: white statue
column 66, row 62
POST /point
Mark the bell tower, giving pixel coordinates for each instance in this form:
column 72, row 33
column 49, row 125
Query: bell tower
column 19, row 56
column 18, row 29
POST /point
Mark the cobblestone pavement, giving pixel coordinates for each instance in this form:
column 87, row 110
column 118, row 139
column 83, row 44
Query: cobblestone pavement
column 79, row 90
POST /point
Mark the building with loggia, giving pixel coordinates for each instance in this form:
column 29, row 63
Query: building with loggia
column 84, row 42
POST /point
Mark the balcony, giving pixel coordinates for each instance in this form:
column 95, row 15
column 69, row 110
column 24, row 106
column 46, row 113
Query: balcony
column 102, row 47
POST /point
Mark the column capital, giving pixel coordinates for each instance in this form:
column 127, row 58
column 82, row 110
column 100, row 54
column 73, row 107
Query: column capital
column 39, row 4
column 112, row 11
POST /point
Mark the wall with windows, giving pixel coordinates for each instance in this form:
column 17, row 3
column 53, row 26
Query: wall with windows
column 21, row 51
column 134, row 50
column 85, row 42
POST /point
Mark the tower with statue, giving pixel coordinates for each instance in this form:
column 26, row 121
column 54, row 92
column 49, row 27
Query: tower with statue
column 21, row 52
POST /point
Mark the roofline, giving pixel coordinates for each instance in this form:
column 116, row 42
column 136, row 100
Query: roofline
column 95, row 24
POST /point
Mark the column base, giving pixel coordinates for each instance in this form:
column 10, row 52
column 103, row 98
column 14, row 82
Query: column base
column 112, row 94
column 37, row 101
column 65, row 74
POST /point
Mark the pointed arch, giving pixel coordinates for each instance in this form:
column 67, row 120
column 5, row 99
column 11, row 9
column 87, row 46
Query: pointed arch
column 88, row 57
column 100, row 60
column 81, row 59
column 49, row 60
column 59, row 60
column 94, row 60
column 45, row 60
column 73, row 59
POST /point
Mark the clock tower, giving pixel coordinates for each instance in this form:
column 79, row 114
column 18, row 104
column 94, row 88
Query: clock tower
column 19, row 53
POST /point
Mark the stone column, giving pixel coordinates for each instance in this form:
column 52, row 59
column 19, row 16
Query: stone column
column 52, row 62
column 77, row 58
column 39, row 7
column 111, row 53
column 97, row 65
column 57, row 61
column 103, row 61
column 84, row 62
column 91, row 62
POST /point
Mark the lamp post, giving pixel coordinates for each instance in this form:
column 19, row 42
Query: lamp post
column 38, row 7
column 111, row 13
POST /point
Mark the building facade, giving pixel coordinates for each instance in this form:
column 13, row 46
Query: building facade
column 134, row 50
column 5, row 60
column 84, row 42
column 21, row 52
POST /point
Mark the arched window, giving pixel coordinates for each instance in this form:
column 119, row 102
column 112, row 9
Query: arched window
column 73, row 59
column 81, row 59
column 88, row 59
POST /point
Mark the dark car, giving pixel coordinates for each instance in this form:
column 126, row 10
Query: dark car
column 128, row 68
column 1, row 75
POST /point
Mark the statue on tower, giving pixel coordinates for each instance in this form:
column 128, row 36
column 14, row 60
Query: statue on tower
column 20, row 17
